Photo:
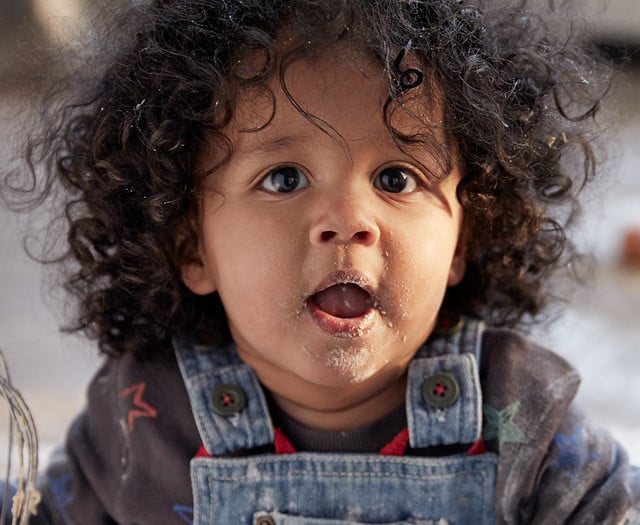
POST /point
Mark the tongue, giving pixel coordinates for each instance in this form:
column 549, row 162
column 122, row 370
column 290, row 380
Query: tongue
column 344, row 300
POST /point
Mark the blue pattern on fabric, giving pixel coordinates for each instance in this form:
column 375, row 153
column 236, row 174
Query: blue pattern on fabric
column 573, row 453
column 184, row 513
column 59, row 487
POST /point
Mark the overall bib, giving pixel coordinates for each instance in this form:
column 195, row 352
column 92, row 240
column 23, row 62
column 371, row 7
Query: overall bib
column 444, row 407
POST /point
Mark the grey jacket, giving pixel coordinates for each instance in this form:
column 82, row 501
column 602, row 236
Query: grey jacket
column 127, row 455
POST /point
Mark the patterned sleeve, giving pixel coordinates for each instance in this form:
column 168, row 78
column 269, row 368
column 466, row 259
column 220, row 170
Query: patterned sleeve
column 127, row 456
column 554, row 468
column 586, row 478
column 84, row 474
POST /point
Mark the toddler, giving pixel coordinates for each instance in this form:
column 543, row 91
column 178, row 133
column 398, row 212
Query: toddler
column 301, row 232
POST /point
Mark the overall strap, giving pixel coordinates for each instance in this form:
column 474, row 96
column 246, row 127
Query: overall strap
column 227, row 401
column 444, row 396
column 443, row 402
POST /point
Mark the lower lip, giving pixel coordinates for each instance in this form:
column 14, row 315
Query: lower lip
column 350, row 327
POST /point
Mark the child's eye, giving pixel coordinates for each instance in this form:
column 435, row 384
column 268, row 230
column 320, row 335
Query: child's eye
column 285, row 180
column 395, row 180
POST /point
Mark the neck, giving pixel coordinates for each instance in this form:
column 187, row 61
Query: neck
column 343, row 409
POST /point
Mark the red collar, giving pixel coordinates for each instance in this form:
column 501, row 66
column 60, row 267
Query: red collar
column 396, row 447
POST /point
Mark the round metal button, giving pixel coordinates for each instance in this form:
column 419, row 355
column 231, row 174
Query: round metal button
column 228, row 400
column 440, row 390
column 264, row 520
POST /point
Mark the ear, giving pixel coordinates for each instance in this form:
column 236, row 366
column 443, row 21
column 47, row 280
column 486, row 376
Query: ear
column 196, row 277
column 189, row 259
column 459, row 262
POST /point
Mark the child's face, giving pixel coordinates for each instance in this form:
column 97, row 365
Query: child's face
column 331, row 255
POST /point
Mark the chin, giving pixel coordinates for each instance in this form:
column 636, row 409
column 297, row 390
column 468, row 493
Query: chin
column 342, row 367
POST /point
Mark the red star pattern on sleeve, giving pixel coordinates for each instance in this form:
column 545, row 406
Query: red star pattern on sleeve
column 143, row 409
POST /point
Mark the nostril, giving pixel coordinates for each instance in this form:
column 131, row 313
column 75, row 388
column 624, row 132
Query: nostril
column 327, row 235
column 360, row 236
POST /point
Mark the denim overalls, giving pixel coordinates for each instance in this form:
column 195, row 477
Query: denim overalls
column 444, row 406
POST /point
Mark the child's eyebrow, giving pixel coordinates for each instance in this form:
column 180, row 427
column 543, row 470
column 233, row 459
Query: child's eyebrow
column 275, row 143
column 280, row 142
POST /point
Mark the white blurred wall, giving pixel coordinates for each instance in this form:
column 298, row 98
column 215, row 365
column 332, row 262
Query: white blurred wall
column 609, row 19
column 60, row 19
column 619, row 19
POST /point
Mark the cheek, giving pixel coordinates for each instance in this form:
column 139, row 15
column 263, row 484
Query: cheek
column 242, row 261
column 424, row 243
column 252, row 258
column 420, row 259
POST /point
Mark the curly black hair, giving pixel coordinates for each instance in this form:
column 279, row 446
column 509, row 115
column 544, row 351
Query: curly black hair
column 520, row 93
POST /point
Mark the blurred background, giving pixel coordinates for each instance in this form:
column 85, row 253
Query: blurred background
column 599, row 331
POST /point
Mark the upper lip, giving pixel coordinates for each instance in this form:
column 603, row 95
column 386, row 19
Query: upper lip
column 345, row 277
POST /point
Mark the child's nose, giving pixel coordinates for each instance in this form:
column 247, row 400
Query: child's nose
column 344, row 221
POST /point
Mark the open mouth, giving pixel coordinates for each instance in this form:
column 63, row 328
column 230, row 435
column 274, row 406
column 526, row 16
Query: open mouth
column 343, row 300
column 343, row 305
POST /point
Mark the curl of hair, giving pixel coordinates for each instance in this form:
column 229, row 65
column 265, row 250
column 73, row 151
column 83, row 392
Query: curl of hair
column 519, row 103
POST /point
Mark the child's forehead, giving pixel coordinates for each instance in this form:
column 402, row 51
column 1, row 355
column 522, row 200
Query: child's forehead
column 332, row 89
column 314, row 84
column 340, row 99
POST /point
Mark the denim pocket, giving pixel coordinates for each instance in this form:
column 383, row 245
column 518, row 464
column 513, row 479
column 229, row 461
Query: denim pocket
column 336, row 489
column 277, row 518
